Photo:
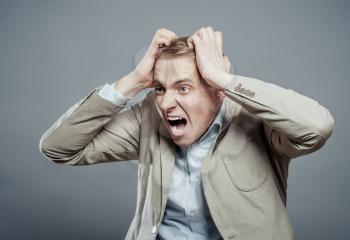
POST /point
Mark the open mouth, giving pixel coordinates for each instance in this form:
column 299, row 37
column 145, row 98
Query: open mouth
column 177, row 125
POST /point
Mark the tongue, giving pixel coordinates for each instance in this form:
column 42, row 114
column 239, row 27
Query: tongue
column 178, row 129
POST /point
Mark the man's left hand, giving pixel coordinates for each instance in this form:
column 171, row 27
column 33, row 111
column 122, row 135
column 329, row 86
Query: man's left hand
column 212, row 64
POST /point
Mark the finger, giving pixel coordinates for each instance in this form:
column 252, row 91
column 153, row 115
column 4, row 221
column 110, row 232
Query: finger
column 162, row 32
column 227, row 63
column 190, row 39
column 204, row 34
column 173, row 34
column 167, row 36
column 163, row 41
column 190, row 42
column 218, row 37
column 170, row 33
column 210, row 33
column 196, row 41
column 165, row 30
column 198, row 33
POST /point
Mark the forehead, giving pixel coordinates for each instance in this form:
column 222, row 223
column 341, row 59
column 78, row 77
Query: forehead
column 170, row 70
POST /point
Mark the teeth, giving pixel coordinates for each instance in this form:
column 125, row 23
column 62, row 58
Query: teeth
column 174, row 118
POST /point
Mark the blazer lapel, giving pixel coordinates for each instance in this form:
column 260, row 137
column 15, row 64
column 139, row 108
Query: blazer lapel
column 167, row 161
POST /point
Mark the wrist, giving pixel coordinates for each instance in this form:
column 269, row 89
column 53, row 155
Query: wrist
column 222, row 80
column 129, row 85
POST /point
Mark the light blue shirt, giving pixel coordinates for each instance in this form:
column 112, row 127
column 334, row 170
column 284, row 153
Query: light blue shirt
column 186, row 214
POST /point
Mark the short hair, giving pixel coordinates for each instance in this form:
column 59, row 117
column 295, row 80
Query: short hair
column 177, row 47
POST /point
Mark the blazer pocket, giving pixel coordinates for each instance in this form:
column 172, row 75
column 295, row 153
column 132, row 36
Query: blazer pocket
column 248, row 169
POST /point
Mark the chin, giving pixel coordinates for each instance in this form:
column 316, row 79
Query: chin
column 182, row 143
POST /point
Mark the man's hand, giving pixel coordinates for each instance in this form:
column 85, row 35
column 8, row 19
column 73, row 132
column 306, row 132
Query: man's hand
column 212, row 65
column 145, row 68
column 142, row 76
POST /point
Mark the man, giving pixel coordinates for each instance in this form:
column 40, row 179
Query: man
column 213, row 148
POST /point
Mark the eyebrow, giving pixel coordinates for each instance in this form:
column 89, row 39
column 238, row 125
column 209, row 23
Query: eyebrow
column 177, row 82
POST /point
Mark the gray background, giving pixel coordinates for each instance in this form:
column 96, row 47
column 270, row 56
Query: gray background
column 52, row 53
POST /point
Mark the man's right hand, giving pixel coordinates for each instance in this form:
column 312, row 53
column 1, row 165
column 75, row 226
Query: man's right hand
column 142, row 76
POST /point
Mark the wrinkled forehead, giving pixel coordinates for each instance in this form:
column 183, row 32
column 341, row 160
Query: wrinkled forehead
column 172, row 69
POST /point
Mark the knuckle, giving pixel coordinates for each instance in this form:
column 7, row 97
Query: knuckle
column 160, row 30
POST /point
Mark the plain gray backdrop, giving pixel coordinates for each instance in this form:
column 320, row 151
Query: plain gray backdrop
column 52, row 53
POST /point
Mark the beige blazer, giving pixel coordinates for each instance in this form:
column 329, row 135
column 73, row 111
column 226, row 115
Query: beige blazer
column 244, row 175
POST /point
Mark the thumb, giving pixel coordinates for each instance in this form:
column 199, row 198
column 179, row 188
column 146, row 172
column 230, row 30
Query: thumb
column 190, row 42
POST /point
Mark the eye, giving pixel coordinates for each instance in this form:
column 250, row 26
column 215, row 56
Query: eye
column 184, row 89
column 159, row 90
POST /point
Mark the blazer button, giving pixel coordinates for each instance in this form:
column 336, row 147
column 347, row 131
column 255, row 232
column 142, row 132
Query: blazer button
column 154, row 229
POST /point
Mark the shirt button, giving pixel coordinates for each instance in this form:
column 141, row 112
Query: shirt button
column 154, row 229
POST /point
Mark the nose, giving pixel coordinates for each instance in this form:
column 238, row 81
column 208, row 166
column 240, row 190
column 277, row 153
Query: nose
column 168, row 101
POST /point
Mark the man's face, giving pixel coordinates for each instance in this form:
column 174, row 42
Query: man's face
column 186, row 103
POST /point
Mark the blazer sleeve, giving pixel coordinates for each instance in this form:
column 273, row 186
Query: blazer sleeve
column 293, row 124
column 94, row 130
